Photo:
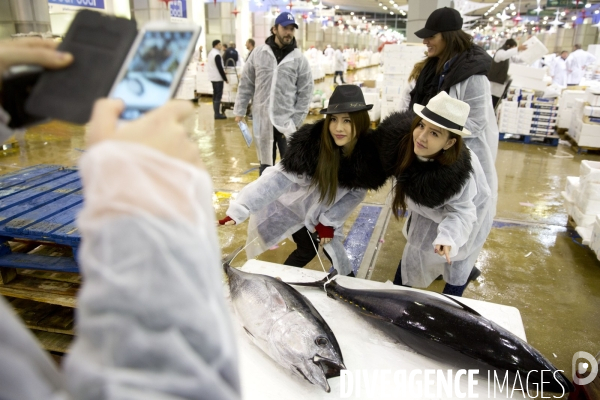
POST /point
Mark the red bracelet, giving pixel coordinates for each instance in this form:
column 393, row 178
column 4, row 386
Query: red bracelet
column 324, row 231
column 226, row 219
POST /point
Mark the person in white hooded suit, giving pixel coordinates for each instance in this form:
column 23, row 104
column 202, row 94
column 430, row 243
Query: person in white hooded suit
column 442, row 185
column 576, row 63
column 278, row 80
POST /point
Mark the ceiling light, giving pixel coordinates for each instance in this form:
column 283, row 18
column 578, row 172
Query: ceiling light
column 545, row 18
column 573, row 18
column 391, row 13
column 385, row 27
column 597, row 12
column 588, row 5
column 337, row 7
column 491, row 18
column 352, row 13
column 513, row 13
column 384, row 7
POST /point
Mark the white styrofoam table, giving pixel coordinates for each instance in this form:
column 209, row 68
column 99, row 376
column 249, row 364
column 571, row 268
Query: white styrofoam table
column 364, row 347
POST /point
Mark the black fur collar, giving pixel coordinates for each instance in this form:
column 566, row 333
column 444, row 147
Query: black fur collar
column 362, row 170
column 429, row 184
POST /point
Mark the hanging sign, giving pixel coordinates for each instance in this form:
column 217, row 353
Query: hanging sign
column 178, row 8
column 566, row 3
column 74, row 5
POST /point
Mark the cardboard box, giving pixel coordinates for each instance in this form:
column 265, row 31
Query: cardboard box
column 535, row 50
column 369, row 84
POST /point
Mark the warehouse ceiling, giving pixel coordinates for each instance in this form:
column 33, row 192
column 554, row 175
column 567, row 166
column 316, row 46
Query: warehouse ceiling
column 372, row 6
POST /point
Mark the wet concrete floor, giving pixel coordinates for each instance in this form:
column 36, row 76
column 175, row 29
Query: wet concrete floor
column 556, row 287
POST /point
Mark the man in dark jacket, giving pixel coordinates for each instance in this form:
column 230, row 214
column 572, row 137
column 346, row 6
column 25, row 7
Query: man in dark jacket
column 230, row 57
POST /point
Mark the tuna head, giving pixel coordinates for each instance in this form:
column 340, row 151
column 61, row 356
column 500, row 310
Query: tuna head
column 306, row 348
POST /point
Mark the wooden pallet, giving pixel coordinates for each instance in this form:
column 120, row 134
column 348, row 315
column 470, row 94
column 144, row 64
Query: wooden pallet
column 580, row 149
column 38, row 245
column 545, row 140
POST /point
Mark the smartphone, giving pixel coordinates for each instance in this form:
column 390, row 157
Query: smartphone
column 154, row 66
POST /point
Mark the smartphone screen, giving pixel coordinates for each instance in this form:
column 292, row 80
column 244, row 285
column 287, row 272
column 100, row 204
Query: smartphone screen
column 148, row 81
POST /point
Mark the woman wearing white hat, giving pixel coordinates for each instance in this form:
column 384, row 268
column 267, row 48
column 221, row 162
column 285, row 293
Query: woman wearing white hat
column 441, row 183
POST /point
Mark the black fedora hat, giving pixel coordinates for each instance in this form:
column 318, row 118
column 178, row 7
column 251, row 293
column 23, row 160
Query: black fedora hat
column 346, row 99
column 441, row 20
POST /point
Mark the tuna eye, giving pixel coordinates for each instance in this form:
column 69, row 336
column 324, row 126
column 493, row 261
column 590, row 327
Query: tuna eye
column 321, row 341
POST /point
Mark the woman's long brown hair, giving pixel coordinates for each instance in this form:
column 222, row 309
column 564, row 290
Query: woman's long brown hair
column 456, row 42
column 406, row 156
column 330, row 155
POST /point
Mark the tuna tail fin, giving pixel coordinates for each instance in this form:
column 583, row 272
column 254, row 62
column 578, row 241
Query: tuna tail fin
column 318, row 284
column 229, row 258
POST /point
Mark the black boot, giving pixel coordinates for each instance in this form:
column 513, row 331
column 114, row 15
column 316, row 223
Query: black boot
column 398, row 276
column 216, row 108
column 475, row 272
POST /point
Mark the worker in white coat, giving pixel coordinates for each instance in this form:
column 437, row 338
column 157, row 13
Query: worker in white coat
column 152, row 321
column 558, row 69
column 498, row 74
column 442, row 185
column 278, row 80
column 576, row 63
column 339, row 65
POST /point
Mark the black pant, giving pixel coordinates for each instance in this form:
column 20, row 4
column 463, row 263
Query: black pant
column 495, row 101
column 280, row 141
column 217, row 95
column 448, row 288
column 341, row 74
column 305, row 251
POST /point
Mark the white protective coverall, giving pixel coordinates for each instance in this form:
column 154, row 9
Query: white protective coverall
column 463, row 222
column 558, row 70
column 339, row 64
column 497, row 89
column 280, row 203
column 481, row 122
column 152, row 322
column 280, row 94
column 576, row 63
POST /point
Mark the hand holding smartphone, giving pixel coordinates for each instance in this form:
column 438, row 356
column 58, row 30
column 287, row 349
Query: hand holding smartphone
column 110, row 60
column 154, row 66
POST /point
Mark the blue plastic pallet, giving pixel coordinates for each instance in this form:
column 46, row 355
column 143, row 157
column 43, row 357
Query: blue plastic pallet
column 40, row 203
column 528, row 139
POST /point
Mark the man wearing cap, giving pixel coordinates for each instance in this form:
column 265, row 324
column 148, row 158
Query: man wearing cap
column 278, row 80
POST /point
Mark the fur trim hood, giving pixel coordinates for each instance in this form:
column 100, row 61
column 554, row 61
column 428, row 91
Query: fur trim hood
column 362, row 170
column 388, row 135
column 428, row 184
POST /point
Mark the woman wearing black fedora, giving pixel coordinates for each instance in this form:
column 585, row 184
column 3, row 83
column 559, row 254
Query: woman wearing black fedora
column 327, row 169
column 442, row 185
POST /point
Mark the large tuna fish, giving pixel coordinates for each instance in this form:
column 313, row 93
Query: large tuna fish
column 285, row 325
column 452, row 333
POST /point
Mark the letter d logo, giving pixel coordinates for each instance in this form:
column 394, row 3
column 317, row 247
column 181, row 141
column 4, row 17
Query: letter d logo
column 582, row 367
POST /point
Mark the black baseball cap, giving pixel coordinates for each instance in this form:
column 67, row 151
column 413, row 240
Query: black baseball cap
column 441, row 20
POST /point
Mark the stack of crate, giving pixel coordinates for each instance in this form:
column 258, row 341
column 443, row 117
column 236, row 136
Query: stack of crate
column 585, row 119
column 398, row 62
column 582, row 202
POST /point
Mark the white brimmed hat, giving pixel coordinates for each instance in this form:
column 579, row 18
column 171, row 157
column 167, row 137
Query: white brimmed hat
column 445, row 112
